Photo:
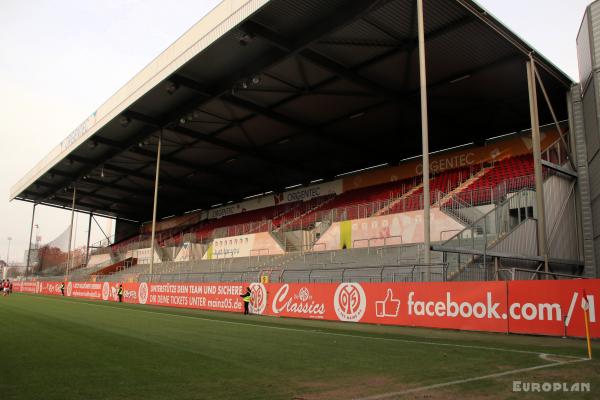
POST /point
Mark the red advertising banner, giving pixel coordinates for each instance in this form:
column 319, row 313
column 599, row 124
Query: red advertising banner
column 553, row 307
column 49, row 288
column 531, row 307
column 25, row 287
column 457, row 305
column 205, row 296
column 453, row 305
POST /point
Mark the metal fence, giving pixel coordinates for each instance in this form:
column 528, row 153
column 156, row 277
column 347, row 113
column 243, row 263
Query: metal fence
column 388, row 273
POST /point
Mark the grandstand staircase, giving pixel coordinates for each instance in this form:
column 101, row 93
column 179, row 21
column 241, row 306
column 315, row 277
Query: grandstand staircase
column 118, row 266
column 451, row 203
column 282, row 239
column 481, row 236
column 464, row 185
column 300, row 216
column 384, row 210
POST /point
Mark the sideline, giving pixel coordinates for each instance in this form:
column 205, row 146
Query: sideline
column 314, row 331
column 467, row 380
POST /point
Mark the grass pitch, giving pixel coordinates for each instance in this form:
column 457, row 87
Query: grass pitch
column 63, row 348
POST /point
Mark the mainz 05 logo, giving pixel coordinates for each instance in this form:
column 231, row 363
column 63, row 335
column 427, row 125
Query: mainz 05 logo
column 105, row 291
column 143, row 293
column 259, row 298
column 350, row 302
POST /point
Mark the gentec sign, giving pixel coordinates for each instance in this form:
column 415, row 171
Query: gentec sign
column 532, row 307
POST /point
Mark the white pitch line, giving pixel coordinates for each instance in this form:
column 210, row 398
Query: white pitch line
column 467, row 380
column 463, row 346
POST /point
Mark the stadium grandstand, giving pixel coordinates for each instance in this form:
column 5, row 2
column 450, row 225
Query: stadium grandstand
column 336, row 141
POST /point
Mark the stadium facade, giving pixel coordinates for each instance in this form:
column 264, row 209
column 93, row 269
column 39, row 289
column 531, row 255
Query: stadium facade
column 283, row 140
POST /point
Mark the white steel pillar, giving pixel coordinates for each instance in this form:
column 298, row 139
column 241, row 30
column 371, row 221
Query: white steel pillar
column 424, row 136
column 69, row 257
column 151, row 270
column 87, row 246
column 30, row 238
column 537, row 164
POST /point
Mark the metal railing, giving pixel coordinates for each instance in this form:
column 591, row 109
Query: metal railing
column 385, row 240
column 477, row 267
column 388, row 273
column 528, row 274
column 246, row 276
column 495, row 223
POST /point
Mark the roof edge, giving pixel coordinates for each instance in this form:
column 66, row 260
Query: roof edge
column 522, row 45
column 220, row 20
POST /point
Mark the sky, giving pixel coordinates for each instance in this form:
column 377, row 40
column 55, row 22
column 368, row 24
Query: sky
column 61, row 59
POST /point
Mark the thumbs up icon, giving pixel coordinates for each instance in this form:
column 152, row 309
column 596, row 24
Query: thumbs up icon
column 389, row 307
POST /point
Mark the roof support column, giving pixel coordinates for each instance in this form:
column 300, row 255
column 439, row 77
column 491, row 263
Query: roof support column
column 567, row 147
column 151, row 270
column 30, row 238
column 424, row 136
column 87, row 246
column 69, row 256
column 537, row 164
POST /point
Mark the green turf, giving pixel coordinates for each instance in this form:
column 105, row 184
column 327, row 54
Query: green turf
column 60, row 348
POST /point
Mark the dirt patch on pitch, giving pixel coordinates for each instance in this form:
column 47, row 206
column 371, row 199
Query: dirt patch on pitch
column 348, row 388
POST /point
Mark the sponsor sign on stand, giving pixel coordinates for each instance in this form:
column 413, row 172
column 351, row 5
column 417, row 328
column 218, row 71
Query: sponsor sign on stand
column 387, row 230
column 261, row 243
column 532, row 307
column 494, row 151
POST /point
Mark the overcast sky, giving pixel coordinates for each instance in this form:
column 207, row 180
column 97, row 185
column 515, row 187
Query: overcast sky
column 61, row 59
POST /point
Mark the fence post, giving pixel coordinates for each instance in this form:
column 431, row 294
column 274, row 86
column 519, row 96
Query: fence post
column 496, row 262
column 485, row 245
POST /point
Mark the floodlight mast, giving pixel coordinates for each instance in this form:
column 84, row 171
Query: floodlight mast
column 424, row 136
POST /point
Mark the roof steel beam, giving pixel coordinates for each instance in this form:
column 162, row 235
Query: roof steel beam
column 175, row 183
column 91, row 164
column 92, row 210
column 249, row 151
column 200, row 136
column 170, row 158
column 303, row 129
column 82, row 194
column 66, row 204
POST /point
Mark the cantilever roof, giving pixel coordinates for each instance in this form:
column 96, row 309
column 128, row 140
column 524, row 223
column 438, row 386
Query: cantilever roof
column 260, row 95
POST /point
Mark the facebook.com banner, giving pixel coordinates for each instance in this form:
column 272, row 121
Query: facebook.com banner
column 531, row 307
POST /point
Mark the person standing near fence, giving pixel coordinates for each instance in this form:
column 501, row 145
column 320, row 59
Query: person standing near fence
column 62, row 288
column 120, row 293
column 247, row 299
